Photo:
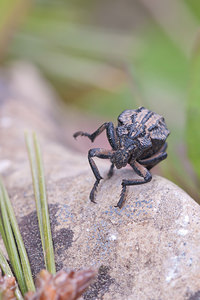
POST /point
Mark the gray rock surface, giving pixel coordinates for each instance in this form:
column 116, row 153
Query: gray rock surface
column 150, row 249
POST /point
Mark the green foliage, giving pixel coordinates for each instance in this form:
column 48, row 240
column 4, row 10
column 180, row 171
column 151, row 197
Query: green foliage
column 108, row 104
column 193, row 112
column 6, row 8
column 194, row 6
column 160, row 60
column 10, row 14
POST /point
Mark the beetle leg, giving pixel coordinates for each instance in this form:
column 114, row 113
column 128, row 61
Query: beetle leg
column 122, row 196
column 111, row 135
column 141, row 171
column 100, row 153
column 93, row 135
column 164, row 147
column 110, row 173
column 110, row 130
column 154, row 159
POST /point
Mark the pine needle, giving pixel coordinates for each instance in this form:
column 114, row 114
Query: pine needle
column 2, row 231
column 13, row 252
column 20, row 244
column 41, row 200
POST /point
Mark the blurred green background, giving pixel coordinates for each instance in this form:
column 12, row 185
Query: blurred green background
column 106, row 56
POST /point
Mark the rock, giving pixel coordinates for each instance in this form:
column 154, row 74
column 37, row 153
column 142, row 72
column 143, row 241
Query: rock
column 147, row 250
column 150, row 249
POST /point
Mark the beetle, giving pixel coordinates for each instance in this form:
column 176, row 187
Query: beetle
column 139, row 140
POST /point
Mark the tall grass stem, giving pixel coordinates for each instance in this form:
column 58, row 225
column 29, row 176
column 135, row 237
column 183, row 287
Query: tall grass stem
column 20, row 244
column 13, row 252
column 41, row 200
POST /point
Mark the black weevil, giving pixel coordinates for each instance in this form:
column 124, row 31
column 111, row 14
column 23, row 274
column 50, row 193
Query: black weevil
column 139, row 140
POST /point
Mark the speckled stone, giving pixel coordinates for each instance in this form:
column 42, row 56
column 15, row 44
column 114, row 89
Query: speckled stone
column 147, row 250
column 150, row 249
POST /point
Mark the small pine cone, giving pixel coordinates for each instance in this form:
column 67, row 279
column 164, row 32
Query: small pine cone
column 61, row 286
column 7, row 287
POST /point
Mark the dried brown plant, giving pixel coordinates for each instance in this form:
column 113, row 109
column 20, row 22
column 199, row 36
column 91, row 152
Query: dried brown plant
column 7, row 287
column 62, row 285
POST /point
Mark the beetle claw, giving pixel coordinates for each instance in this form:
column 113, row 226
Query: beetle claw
column 93, row 201
column 94, row 189
column 76, row 134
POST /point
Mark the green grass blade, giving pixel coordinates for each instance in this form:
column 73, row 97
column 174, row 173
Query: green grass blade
column 7, row 271
column 20, row 244
column 2, row 231
column 13, row 253
column 34, row 172
column 49, row 251
column 41, row 201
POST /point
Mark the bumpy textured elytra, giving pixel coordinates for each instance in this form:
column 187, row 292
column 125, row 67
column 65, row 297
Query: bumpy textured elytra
column 139, row 140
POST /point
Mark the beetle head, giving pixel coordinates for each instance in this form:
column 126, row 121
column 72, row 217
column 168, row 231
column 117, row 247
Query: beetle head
column 122, row 155
column 120, row 158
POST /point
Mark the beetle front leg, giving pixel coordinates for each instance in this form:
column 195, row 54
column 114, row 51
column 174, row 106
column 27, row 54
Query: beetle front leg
column 100, row 153
column 141, row 171
column 110, row 130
